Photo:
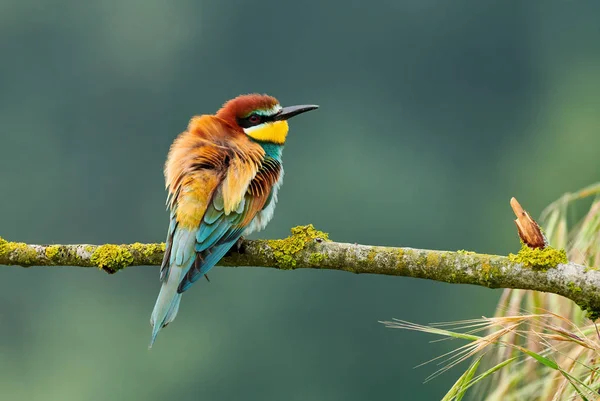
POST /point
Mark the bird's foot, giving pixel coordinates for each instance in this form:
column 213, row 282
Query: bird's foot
column 238, row 247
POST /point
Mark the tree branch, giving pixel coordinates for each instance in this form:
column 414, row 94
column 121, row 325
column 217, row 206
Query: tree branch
column 310, row 248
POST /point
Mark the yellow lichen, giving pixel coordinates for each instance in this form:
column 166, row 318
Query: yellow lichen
column 3, row 243
column 433, row 259
column 52, row 251
column 538, row 258
column 150, row 253
column 315, row 259
column 19, row 252
column 371, row 256
column 465, row 252
column 152, row 249
column 285, row 249
column 574, row 287
column 400, row 258
column 486, row 269
column 138, row 247
column 111, row 258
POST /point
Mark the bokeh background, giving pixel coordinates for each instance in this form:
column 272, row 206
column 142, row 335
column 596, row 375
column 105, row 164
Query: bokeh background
column 433, row 114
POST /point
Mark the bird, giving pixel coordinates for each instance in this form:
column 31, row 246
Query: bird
column 222, row 176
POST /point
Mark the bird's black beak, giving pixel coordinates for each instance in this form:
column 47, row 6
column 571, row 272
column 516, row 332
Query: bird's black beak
column 291, row 111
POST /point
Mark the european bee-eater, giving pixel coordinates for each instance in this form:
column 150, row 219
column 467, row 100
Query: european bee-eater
column 222, row 176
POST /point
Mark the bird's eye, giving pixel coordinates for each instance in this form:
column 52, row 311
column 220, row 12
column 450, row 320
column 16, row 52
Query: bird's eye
column 254, row 118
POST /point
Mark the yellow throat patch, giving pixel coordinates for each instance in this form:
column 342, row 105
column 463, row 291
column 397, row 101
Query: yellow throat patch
column 274, row 132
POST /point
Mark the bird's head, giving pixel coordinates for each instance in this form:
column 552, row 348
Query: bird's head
column 261, row 117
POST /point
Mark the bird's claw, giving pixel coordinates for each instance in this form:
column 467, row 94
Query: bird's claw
column 238, row 247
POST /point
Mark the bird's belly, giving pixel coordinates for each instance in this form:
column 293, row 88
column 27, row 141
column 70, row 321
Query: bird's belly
column 263, row 217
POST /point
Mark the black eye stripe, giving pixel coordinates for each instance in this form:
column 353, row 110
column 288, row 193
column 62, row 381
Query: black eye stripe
column 245, row 122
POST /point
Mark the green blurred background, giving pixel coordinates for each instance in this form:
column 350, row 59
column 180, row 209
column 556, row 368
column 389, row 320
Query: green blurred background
column 433, row 114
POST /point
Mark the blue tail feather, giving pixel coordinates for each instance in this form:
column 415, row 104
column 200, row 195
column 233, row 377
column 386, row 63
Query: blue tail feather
column 171, row 313
column 167, row 303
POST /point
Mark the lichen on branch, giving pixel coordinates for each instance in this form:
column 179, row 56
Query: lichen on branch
column 286, row 249
column 539, row 258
